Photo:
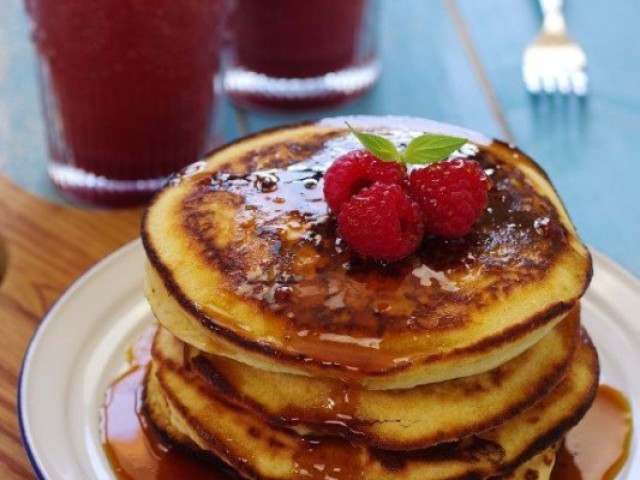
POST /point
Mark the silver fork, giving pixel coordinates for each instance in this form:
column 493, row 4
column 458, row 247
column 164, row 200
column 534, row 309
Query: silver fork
column 553, row 62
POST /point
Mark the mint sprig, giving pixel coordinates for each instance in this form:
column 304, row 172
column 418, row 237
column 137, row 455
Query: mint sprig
column 382, row 148
column 422, row 150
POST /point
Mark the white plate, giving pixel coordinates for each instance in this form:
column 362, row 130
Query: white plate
column 79, row 349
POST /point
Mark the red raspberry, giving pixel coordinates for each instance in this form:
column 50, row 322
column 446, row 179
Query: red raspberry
column 382, row 222
column 452, row 194
column 356, row 170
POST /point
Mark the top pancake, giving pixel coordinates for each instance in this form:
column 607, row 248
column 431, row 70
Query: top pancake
column 244, row 262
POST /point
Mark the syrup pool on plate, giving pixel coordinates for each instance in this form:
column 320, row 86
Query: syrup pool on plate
column 134, row 449
column 596, row 449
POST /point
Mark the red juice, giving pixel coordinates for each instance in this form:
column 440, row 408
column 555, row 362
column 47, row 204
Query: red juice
column 128, row 89
column 303, row 41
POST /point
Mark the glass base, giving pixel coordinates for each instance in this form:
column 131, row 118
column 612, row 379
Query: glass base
column 91, row 189
column 253, row 89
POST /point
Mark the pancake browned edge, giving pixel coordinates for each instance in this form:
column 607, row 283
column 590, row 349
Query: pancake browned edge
column 406, row 419
column 187, row 408
column 244, row 262
column 538, row 467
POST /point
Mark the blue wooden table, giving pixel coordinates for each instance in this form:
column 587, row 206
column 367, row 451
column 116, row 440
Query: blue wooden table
column 456, row 61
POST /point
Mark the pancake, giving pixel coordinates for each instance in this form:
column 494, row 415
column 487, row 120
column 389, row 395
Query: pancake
column 244, row 262
column 537, row 468
column 390, row 419
column 183, row 405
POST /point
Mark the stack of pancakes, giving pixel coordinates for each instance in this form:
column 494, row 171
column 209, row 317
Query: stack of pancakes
column 285, row 355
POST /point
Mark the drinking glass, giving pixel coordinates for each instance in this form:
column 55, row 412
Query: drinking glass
column 298, row 54
column 128, row 89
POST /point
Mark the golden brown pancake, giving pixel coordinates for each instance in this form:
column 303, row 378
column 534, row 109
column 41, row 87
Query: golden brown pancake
column 244, row 262
column 390, row 419
column 186, row 407
column 537, row 468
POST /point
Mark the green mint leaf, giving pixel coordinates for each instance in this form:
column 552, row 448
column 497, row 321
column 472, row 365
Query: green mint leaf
column 431, row 148
column 381, row 147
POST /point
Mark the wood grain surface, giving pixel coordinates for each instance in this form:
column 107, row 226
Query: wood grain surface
column 43, row 249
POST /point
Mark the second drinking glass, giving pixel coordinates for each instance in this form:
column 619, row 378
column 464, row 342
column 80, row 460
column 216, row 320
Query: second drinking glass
column 298, row 54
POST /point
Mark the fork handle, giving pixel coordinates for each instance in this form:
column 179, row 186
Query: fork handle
column 551, row 6
column 553, row 16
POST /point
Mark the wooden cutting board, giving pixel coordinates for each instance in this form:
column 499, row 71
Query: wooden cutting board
column 43, row 249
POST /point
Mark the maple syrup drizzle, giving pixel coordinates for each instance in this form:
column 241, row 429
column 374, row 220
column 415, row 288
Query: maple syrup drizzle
column 596, row 449
column 305, row 276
